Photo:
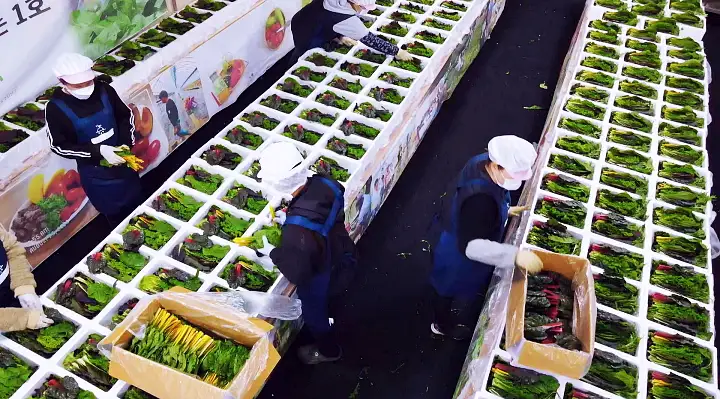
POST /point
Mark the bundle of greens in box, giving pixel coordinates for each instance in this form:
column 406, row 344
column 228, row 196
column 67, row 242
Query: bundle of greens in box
column 15, row 372
column 350, row 127
column 630, row 159
column 308, row 74
column 369, row 55
column 156, row 233
column 617, row 333
column 613, row 374
column 572, row 165
column 683, row 174
column 682, row 196
column 680, row 279
column 240, row 136
column 616, row 261
column 680, row 354
column 259, row 119
column 569, row 212
column 244, row 273
column 331, row 99
column 680, row 219
column 177, row 204
column 343, row 84
column 89, row 363
column 622, row 203
column 414, row 65
column 685, row 134
column 137, row 393
column 201, row 180
column 616, row 293
column 553, row 236
column 292, row 86
column 590, row 92
column 199, row 252
column 395, row 29
column 155, row 38
column 122, row 312
column 618, row 228
column 299, row 133
column 171, row 341
column 280, row 104
column 222, row 156
column 621, row 16
column 581, row 126
column 413, row 8
column 635, row 141
column 572, row 392
column 670, row 386
column 624, row 181
column 688, row 84
column 9, row 138
column 451, row 15
column 193, row 15
column 684, row 99
column 599, row 64
column 83, row 295
column 684, row 115
column 631, row 120
column 369, row 111
column 29, row 116
column 117, row 261
column 585, row 108
column 163, row 279
column 605, row 51
column 222, row 224
column 635, row 103
column 598, row 78
column 170, row 25
column 273, row 233
column 430, row 37
column 246, row 199
column 342, row 147
column 549, row 310
column 361, row 69
column 681, row 152
column 685, row 249
column 56, row 387
column 517, row 383
column 384, row 94
column 253, row 171
column 45, row 341
column 679, row 313
column 639, row 89
column 135, row 51
column 315, row 115
column 331, row 168
column 563, row 185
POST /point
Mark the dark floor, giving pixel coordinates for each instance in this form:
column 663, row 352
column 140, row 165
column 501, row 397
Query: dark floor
column 384, row 320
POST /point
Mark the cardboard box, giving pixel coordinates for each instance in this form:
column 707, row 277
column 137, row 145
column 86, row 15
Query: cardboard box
column 551, row 358
column 167, row 383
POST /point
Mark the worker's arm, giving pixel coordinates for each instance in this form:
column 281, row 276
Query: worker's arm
column 479, row 219
column 353, row 28
column 16, row 319
column 21, row 277
column 124, row 118
column 62, row 137
column 297, row 254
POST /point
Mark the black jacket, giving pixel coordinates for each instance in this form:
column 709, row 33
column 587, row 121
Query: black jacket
column 301, row 254
column 172, row 112
column 63, row 140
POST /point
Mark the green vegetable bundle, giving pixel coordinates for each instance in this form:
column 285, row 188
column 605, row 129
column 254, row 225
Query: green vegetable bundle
column 369, row 55
column 56, row 387
column 681, row 279
column 83, row 295
column 430, row 37
column 604, row 51
column 248, row 275
column 419, row 49
column 451, row 15
column 645, row 58
column 579, row 145
column 691, row 68
column 403, row 17
column 685, row 249
column 412, row 8
column 643, row 34
column 280, row 104
column 681, row 152
column 14, row 372
column 155, row 38
column 598, row 78
column 685, row 84
column 630, row 159
column 259, row 119
column 635, row 104
column 622, row 16
column 349, row 127
column 685, row 55
column 554, row 237
column 315, row 115
column 585, row 108
column 589, row 92
column 342, row 84
column 683, row 174
column 622, row 203
column 572, row 165
column 692, row 6
column 633, row 140
column 395, row 29
column 605, row 26
column 396, row 80
column 549, row 306
column 156, row 232
column 631, row 120
column 292, row 86
column 663, row 25
column 516, row 383
column 177, row 204
column 90, row 364
column 684, row 99
column 135, row 51
column 118, row 262
column 600, row 64
column 649, row 10
column 686, row 134
column 175, row 27
column 240, row 136
column 639, row 89
column 299, row 133
column 610, row 3
column 680, row 354
column 678, row 313
column 199, row 252
column 331, row 99
column 581, row 126
column 122, row 312
column 624, row 181
column 682, row 196
column 563, row 185
column 434, row 23
column 613, row 374
column 388, row 95
column 642, row 73
column 193, row 15
column 164, row 279
column 616, row 333
column 684, row 115
column 671, row 386
column 369, row 111
column 568, row 212
column 680, row 219
column 616, row 293
column 361, row 69
column 45, row 341
column 616, row 261
column 331, row 168
column 618, row 228
column 246, row 199
column 201, row 180
column 321, row 60
column 343, row 147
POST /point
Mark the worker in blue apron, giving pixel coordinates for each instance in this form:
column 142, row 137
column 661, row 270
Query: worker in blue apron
column 324, row 20
column 316, row 253
column 470, row 246
column 88, row 122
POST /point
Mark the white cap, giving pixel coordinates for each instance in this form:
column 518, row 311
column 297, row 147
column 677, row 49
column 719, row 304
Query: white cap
column 514, row 154
column 74, row 68
column 280, row 167
column 367, row 4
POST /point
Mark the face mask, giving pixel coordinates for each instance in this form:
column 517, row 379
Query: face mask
column 82, row 94
column 511, row 184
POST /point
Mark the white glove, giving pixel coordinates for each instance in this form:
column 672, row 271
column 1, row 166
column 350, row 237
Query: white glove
column 280, row 217
column 109, row 153
column 30, row 301
column 529, row 261
column 403, row 55
column 267, row 247
column 492, row 253
column 35, row 323
column 346, row 41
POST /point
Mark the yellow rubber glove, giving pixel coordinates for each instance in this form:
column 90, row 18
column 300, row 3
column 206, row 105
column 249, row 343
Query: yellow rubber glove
column 529, row 261
column 518, row 210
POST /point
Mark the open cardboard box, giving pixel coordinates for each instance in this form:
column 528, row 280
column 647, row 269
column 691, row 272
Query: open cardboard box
column 167, row 383
column 551, row 358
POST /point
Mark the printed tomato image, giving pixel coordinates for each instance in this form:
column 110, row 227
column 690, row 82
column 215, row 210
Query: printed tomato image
column 275, row 29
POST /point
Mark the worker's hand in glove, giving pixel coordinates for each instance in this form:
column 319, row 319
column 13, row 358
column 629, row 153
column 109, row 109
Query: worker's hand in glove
column 346, row 41
column 30, row 301
column 38, row 320
column 529, row 261
column 280, row 217
column 109, row 153
column 403, row 55
column 518, row 210
column 267, row 247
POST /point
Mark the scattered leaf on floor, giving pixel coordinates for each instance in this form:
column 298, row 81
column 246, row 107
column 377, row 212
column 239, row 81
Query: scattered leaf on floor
column 543, row 86
column 533, row 107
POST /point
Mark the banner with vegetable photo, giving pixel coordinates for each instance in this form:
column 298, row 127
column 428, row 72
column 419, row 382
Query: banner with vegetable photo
column 151, row 140
column 47, row 208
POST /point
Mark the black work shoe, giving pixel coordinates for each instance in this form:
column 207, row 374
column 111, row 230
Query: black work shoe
column 459, row 332
column 310, row 354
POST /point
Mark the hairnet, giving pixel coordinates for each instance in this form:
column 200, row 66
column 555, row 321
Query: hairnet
column 281, row 167
column 514, row 154
column 74, row 68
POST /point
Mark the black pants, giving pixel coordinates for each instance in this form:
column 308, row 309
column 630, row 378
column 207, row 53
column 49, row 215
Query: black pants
column 449, row 312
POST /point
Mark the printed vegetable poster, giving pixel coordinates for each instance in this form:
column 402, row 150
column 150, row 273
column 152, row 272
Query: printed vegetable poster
column 151, row 140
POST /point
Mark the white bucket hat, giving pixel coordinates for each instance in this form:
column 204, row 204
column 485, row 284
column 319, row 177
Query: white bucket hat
column 74, row 68
column 514, row 154
column 281, row 167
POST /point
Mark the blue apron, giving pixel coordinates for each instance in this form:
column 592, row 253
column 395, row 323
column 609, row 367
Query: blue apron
column 110, row 190
column 454, row 274
column 314, row 293
column 316, row 34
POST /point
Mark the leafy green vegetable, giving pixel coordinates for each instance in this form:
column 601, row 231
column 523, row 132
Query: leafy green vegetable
column 419, row 49
column 643, row 34
column 685, row 43
column 220, row 155
column 331, row 99
column 560, row 184
column 616, row 333
column 646, row 58
column 249, row 275
column 9, row 138
column 572, row 165
column 193, row 15
column 649, row 10
column 240, row 136
column 632, row 140
column 686, row 134
column 369, row 111
column 155, row 38
column 134, row 51
column 361, row 69
column 681, row 152
column 635, row 104
column 599, row 63
column 690, row 68
column 84, row 295
column 624, row 181
column 292, row 86
column 616, row 261
column 430, row 37
column 581, row 126
column 598, row 78
column 687, row 6
column 118, row 262
column 210, row 5
column 613, row 374
column 394, row 79
column 688, row 250
column 618, row 228
column 306, row 73
column 434, row 23
column 342, row 84
column 605, row 37
column 685, row 84
column 604, row 51
column 278, row 103
column 314, row 115
column 349, row 127
column 402, row 17
column 56, row 387
column 622, row 16
column 451, row 15
column 342, row 147
column 616, row 293
column 646, row 74
column 259, row 119
column 199, row 252
column 516, row 383
column 109, row 65
column 622, row 203
column 136, row 393
column 678, row 313
column 630, row 159
column 413, row 8
column 330, row 167
column 585, row 108
column 554, row 237
column 684, row 174
column 273, row 233
column 46, row 341
column 664, row 25
column 682, row 196
column 589, row 92
column 90, row 364
column 176, row 204
column 224, row 225
column 670, row 386
column 680, row 279
column 13, row 373
column 122, row 312
column 201, row 180
column 568, row 212
column 164, row 279
column 299, row 133
column 605, row 26
column 639, row 89
column 454, row 5
column 176, row 27
column 246, row 199
column 687, row 19
column 684, row 115
column 631, row 120
column 685, row 55
column 610, row 3
column 579, row 145
column 395, row 29
column 684, row 99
